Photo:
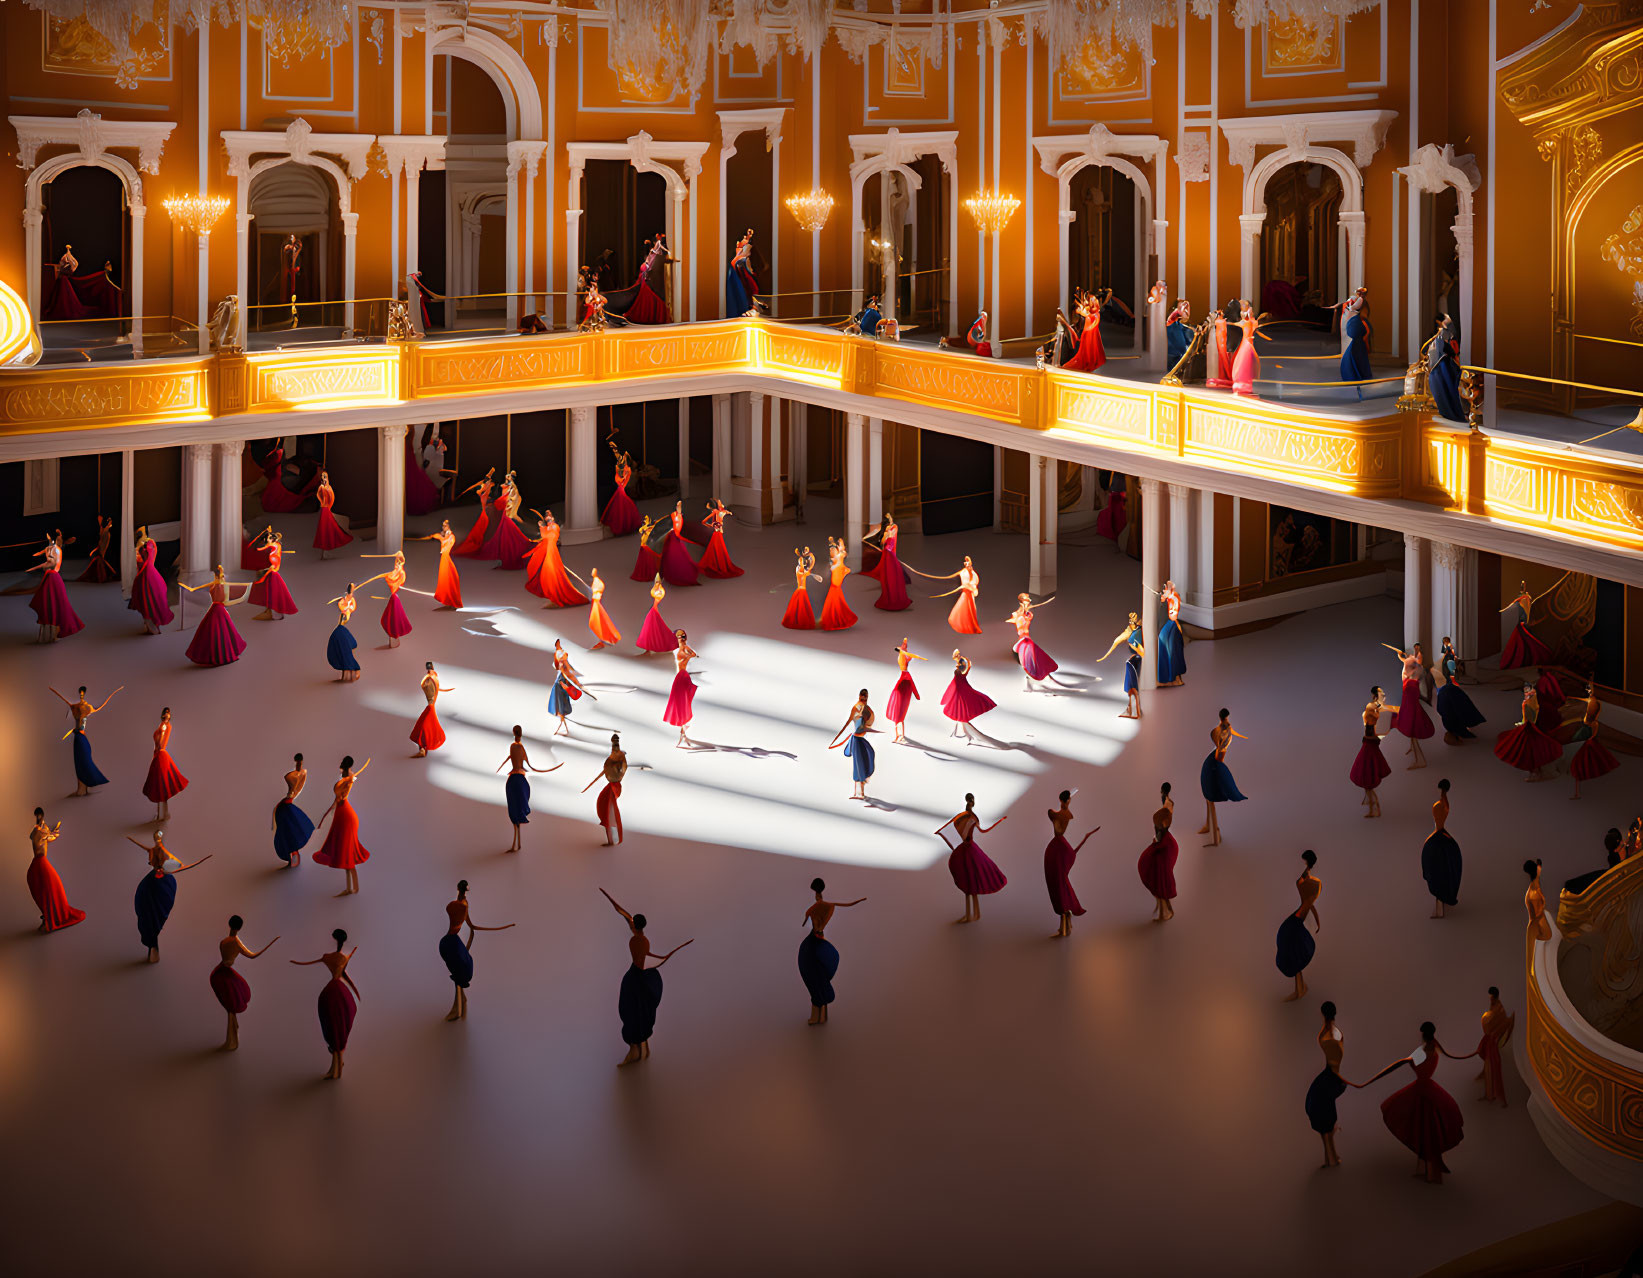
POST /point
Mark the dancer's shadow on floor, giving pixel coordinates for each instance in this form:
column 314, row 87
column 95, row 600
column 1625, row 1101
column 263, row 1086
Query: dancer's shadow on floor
column 879, row 805
column 948, row 753
column 751, row 752
column 482, row 624
column 1074, row 686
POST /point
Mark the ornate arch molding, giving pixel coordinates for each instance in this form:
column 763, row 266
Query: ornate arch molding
column 1298, row 139
column 678, row 163
column 342, row 156
column 732, row 124
column 94, row 140
column 895, row 151
column 498, row 59
column 1431, row 169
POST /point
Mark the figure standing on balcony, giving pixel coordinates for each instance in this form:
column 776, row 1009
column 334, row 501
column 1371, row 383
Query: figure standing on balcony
column 1178, row 333
column 1091, row 353
column 650, row 306
column 741, row 285
column 290, row 267
column 1355, row 326
column 1246, row 364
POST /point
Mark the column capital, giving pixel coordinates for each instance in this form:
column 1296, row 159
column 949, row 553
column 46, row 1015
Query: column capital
column 229, row 447
column 395, row 430
column 855, row 420
column 1448, row 555
column 1150, row 487
column 197, row 453
column 1413, row 543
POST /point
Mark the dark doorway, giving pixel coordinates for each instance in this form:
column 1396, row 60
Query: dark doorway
column 748, row 179
column 1300, row 257
column 85, row 214
column 622, row 208
column 955, row 484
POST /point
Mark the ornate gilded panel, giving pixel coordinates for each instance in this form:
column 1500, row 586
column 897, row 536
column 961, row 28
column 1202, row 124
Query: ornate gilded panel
column 1100, row 412
column 1362, row 460
column 1612, row 508
column 442, row 368
column 365, row 376
column 42, row 401
column 813, row 357
column 1515, row 487
column 677, row 351
column 1443, row 465
column 968, row 385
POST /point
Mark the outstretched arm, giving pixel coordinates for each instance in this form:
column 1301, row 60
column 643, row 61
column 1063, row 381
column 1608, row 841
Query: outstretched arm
column 192, row 864
column 1086, row 839
column 110, row 696
column 674, row 951
column 614, row 905
column 1001, row 820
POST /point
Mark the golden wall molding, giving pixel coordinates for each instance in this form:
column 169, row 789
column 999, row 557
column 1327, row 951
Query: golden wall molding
column 41, row 399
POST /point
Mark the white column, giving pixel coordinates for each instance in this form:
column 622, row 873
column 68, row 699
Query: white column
column 1454, row 599
column 1416, row 577
column 758, row 454
column 243, row 266
column 511, row 269
column 228, row 527
column 1043, row 514
column 203, row 302
column 1156, row 312
column 799, row 453
column 413, row 223
column 993, row 309
column 721, row 447
column 1067, row 218
column 1465, row 251
column 128, row 525
column 33, row 252
column 1152, row 559
column 1249, row 255
column 136, row 273
column 1181, row 544
column 581, row 480
column 875, row 470
column 391, row 488
column 684, row 447
column 194, row 551
column 350, row 242
column 533, row 161
column 855, row 484
column 1201, row 591
column 1353, row 226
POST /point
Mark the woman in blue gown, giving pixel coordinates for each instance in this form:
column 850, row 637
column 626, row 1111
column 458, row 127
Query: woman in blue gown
column 1443, row 371
column 1215, row 778
column 453, row 950
column 157, row 892
column 1440, row 857
column 1295, row 944
column 1456, row 710
column 1355, row 358
column 1178, row 331
column 292, row 826
column 740, row 282
column 857, row 748
column 818, row 958
column 86, row 771
column 641, row 992
column 339, row 649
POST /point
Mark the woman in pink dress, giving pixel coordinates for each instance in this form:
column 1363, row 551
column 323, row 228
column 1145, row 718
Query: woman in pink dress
column 395, row 624
column 1422, row 1115
column 681, row 698
column 44, row 885
column 1412, row 719
column 342, row 849
column 973, row 871
column 1246, row 365
column 961, row 703
column 677, row 565
column 338, row 1000
column 648, row 563
column 216, row 642
column 655, row 635
column 1370, row 768
column 148, row 593
column 1156, row 865
column 270, row 589
column 1036, row 664
column 165, row 780
column 887, row 570
column 471, row 544
column 1058, row 863
column 329, row 535
column 903, row 694
column 550, row 581
column 715, row 560
column 1091, row 353
column 50, row 602
column 620, row 515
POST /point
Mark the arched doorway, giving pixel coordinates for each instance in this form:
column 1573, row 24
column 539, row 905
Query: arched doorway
column 624, row 210
column 1303, row 253
column 470, row 109
column 86, row 244
column 1104, row 247
column 1604, row 247
column 295, row 262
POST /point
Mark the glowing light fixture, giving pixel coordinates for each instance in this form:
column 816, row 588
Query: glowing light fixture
column 811, row 209
column 197, row 213
column 992, row 210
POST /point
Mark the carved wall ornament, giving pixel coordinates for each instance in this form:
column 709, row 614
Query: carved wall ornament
column 93, row 136
column 1193, row 157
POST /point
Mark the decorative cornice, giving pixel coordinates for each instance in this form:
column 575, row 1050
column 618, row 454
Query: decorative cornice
column 1097, row 144
column 299, row 142
column 93, row 135
column 895, row 147
column 1364, row 131
column 412, row 152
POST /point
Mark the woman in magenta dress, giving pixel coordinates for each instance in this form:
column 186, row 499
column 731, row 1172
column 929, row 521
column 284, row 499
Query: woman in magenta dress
column 1412, row 719
column 655, row 635
column 254, row 552
column 471, row 544
column 1156, row 865
column 421, row 493
column 551, row 582
column 148, row 593
column 835, row 613
column 342, row 849
column 715, row 560
column 337, row 1001
column 1522, row 647
column 1526, row 746
column 233, row 991
column 1370, row 768
column 44, row 885
column 1114, row 519
column 620, row 515
column 50, row 602
column 649, row 306
column 277, row 499
column 799, row 614
column 1422, row 1115
column 887, row 570
column 677, row 565
column 510, row 547
column 270, row 589
column 648, row 563
column 902, row 696
column 1246, row 365
column 329, row 535
column 681, row 698
column 165, row 780
column 497, row 514
column 1059, row 856
column 216, row 642
column 1592, row 760
column 395, row 624
column 1091, row 353
column 1036, row 664
column 973, row 871
column 961, row 703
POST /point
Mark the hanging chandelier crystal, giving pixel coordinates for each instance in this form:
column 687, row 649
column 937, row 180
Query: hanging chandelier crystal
column 992, row 210
column 811, row 209
column 197, row 213
column 291, row 28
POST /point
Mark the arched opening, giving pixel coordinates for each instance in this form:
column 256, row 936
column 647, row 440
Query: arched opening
column 471, row 224
column 1104, row 246
column 623, row 210
column 749, row 176
column 1606, row 285
column 1439, row 262
column 85, row 237
column 296, row 256
column 1302, row 266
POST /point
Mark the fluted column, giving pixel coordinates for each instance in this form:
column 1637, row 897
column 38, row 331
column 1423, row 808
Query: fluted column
column 1152, row 559
column 721, row 447
column 228, row 527
column 855, row 485
column 1416, row 579
column 875, row 470
column 391, row 488
column 1043, row 515
column 1453, row 594
column 1182, row 570
column 194, row 549
column 581, row 479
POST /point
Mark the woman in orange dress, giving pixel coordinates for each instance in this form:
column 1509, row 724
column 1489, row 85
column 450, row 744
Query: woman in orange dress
column 604, row 629
column 1220, row 360
column 44, row 885
column 550, row 581
column 1497, row 1028
column 715, row 560
column 329, row 535
column 165, row 780
column 799, row 615
column 471, row 544
column 448, row 586
column 342, row 849
column 963, row 616
column 648, row 563
column 836, row 614
column 1091, row 353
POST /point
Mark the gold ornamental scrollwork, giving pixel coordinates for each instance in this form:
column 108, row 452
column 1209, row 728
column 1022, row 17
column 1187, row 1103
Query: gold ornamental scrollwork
column 966, row 384
column 81, row 399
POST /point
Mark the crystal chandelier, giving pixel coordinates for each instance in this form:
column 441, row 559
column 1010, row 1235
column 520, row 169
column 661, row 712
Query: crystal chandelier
column 291, row 28
column 811, row 209
column 992, row 210
column 197, row 213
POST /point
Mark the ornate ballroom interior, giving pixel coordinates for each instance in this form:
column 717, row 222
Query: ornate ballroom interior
column 1298, row 333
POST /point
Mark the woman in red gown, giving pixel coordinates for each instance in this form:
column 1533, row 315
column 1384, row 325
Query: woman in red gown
column 1370, row 767
column 510, row 547
column 329, row 535
column 1422, row 1115
column 216, row 642
column 426, row 734
column 715, row 560
column 550, row 581
column 648, row 563
column 1593, row 759
column 1526, row 746
column 1114, row 518
column 270, row 589
column 887, row 570
column 1412, row 719
column 604, row 629
column 497, row 515
column 961, row 703
column 611, row 772
column 1156, row 865
column 448, row 586
column 973, row 871
column 836, row 614
column 677, row 565
column 50, row 602
column 472, row 543
column 1091, row 353
column 620, row 515
column 44, row 885
column 799, row 615
column 395, row 624
column 148, row 593
column 902, row 696
column 277, row 499
column 1058, row 863
column 1523, row 648
column 165, row 780
column 656, row 635
column 681, row 697
column 342, row 849
column 337, row 1005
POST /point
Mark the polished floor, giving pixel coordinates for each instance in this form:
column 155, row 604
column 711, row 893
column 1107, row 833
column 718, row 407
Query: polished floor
column 986, row 1099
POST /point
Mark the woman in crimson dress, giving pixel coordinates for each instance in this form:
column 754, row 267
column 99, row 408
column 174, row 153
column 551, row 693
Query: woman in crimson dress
column 1526, row 746
column 454, row 952
column 342, row 849
column 216, row 642
column 165, row 780
column 1370, row 767
column 681, row 697
column 1497, row 1029
column 233, row 991
column 963, row 617
column 887, row 569
column 960, row 702
column 550, row 581
column 148, row 593
column 620, row 515
column 1058, row 863
column 277, row 499
column 656, row 635
column 604, row 629
column 835, row 613
column 329, row 535
column 611, row 772
column 1036, row 664
column 50, row 602
column 291, row 825
column 1422, row 1115
column 1246, row 365
column 641, row 992
column 448, row 585
column 471, row 544
column 1156, row 865
column 99, row 569
column 1091, row 353
column 395, row 624
column 1412, row 719
column 157, row 891
column 1295, row 944
column 44, row 885
column 648, row 563
column 1522, row 647
column 270, row 589
column 1114, row 519
column 649, row 306
column 1550, row 692
column 799, row 615
column 973, row 871
column 426, row 734
column 715, row 560
column 677, row 565
column 338, row 1000
column 497, row 514
column 1592, row 760
column 903, row 694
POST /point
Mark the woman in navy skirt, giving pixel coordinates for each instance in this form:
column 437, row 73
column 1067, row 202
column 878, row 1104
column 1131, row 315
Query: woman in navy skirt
column 857, row 747
column 1215, row 778
column 1327, row 1087
column 157, row 891
column 1130, row 636
column 1295, row 944
column 818, row 959
column 453, row 951
column 86, row 771
column 292, row 826
column 1440, row 857
column 641, row 992
column 519, row 785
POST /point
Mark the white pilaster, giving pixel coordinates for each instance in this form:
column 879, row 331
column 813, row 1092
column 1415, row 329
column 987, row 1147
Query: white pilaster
column 875, row 470
column 391, row 488
column 350, row 242
column 721, row 447
column 511, row 267
column 1416, row 584
column 855, row 485
column 1453, row 591
column 1201, row 591
column 203, row 301
column 1152, row 560
column 581, row 479
column 1043, row 514
column 194, row 550
column 228, row 527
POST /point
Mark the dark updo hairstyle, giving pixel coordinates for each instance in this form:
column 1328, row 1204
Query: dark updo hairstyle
column 462, row 887
column 297, row 759
column 340, row 937
column 1066, row 795
column 816, row 885
column 1443, row 786
column 1310, row 857
column 1494, row 991
column 639, row 922
column 616, row 740
column 1429, row 1031
column 82, row 689
column 347, row 763
column 1163, row 790
column 969, row 802
column 862, row 694
column 517, row 732
column 235, row 922
column 1225, row 715
column 1375, row 690
column 1531, row 868
column 1328, row 1009
column 39, row 814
